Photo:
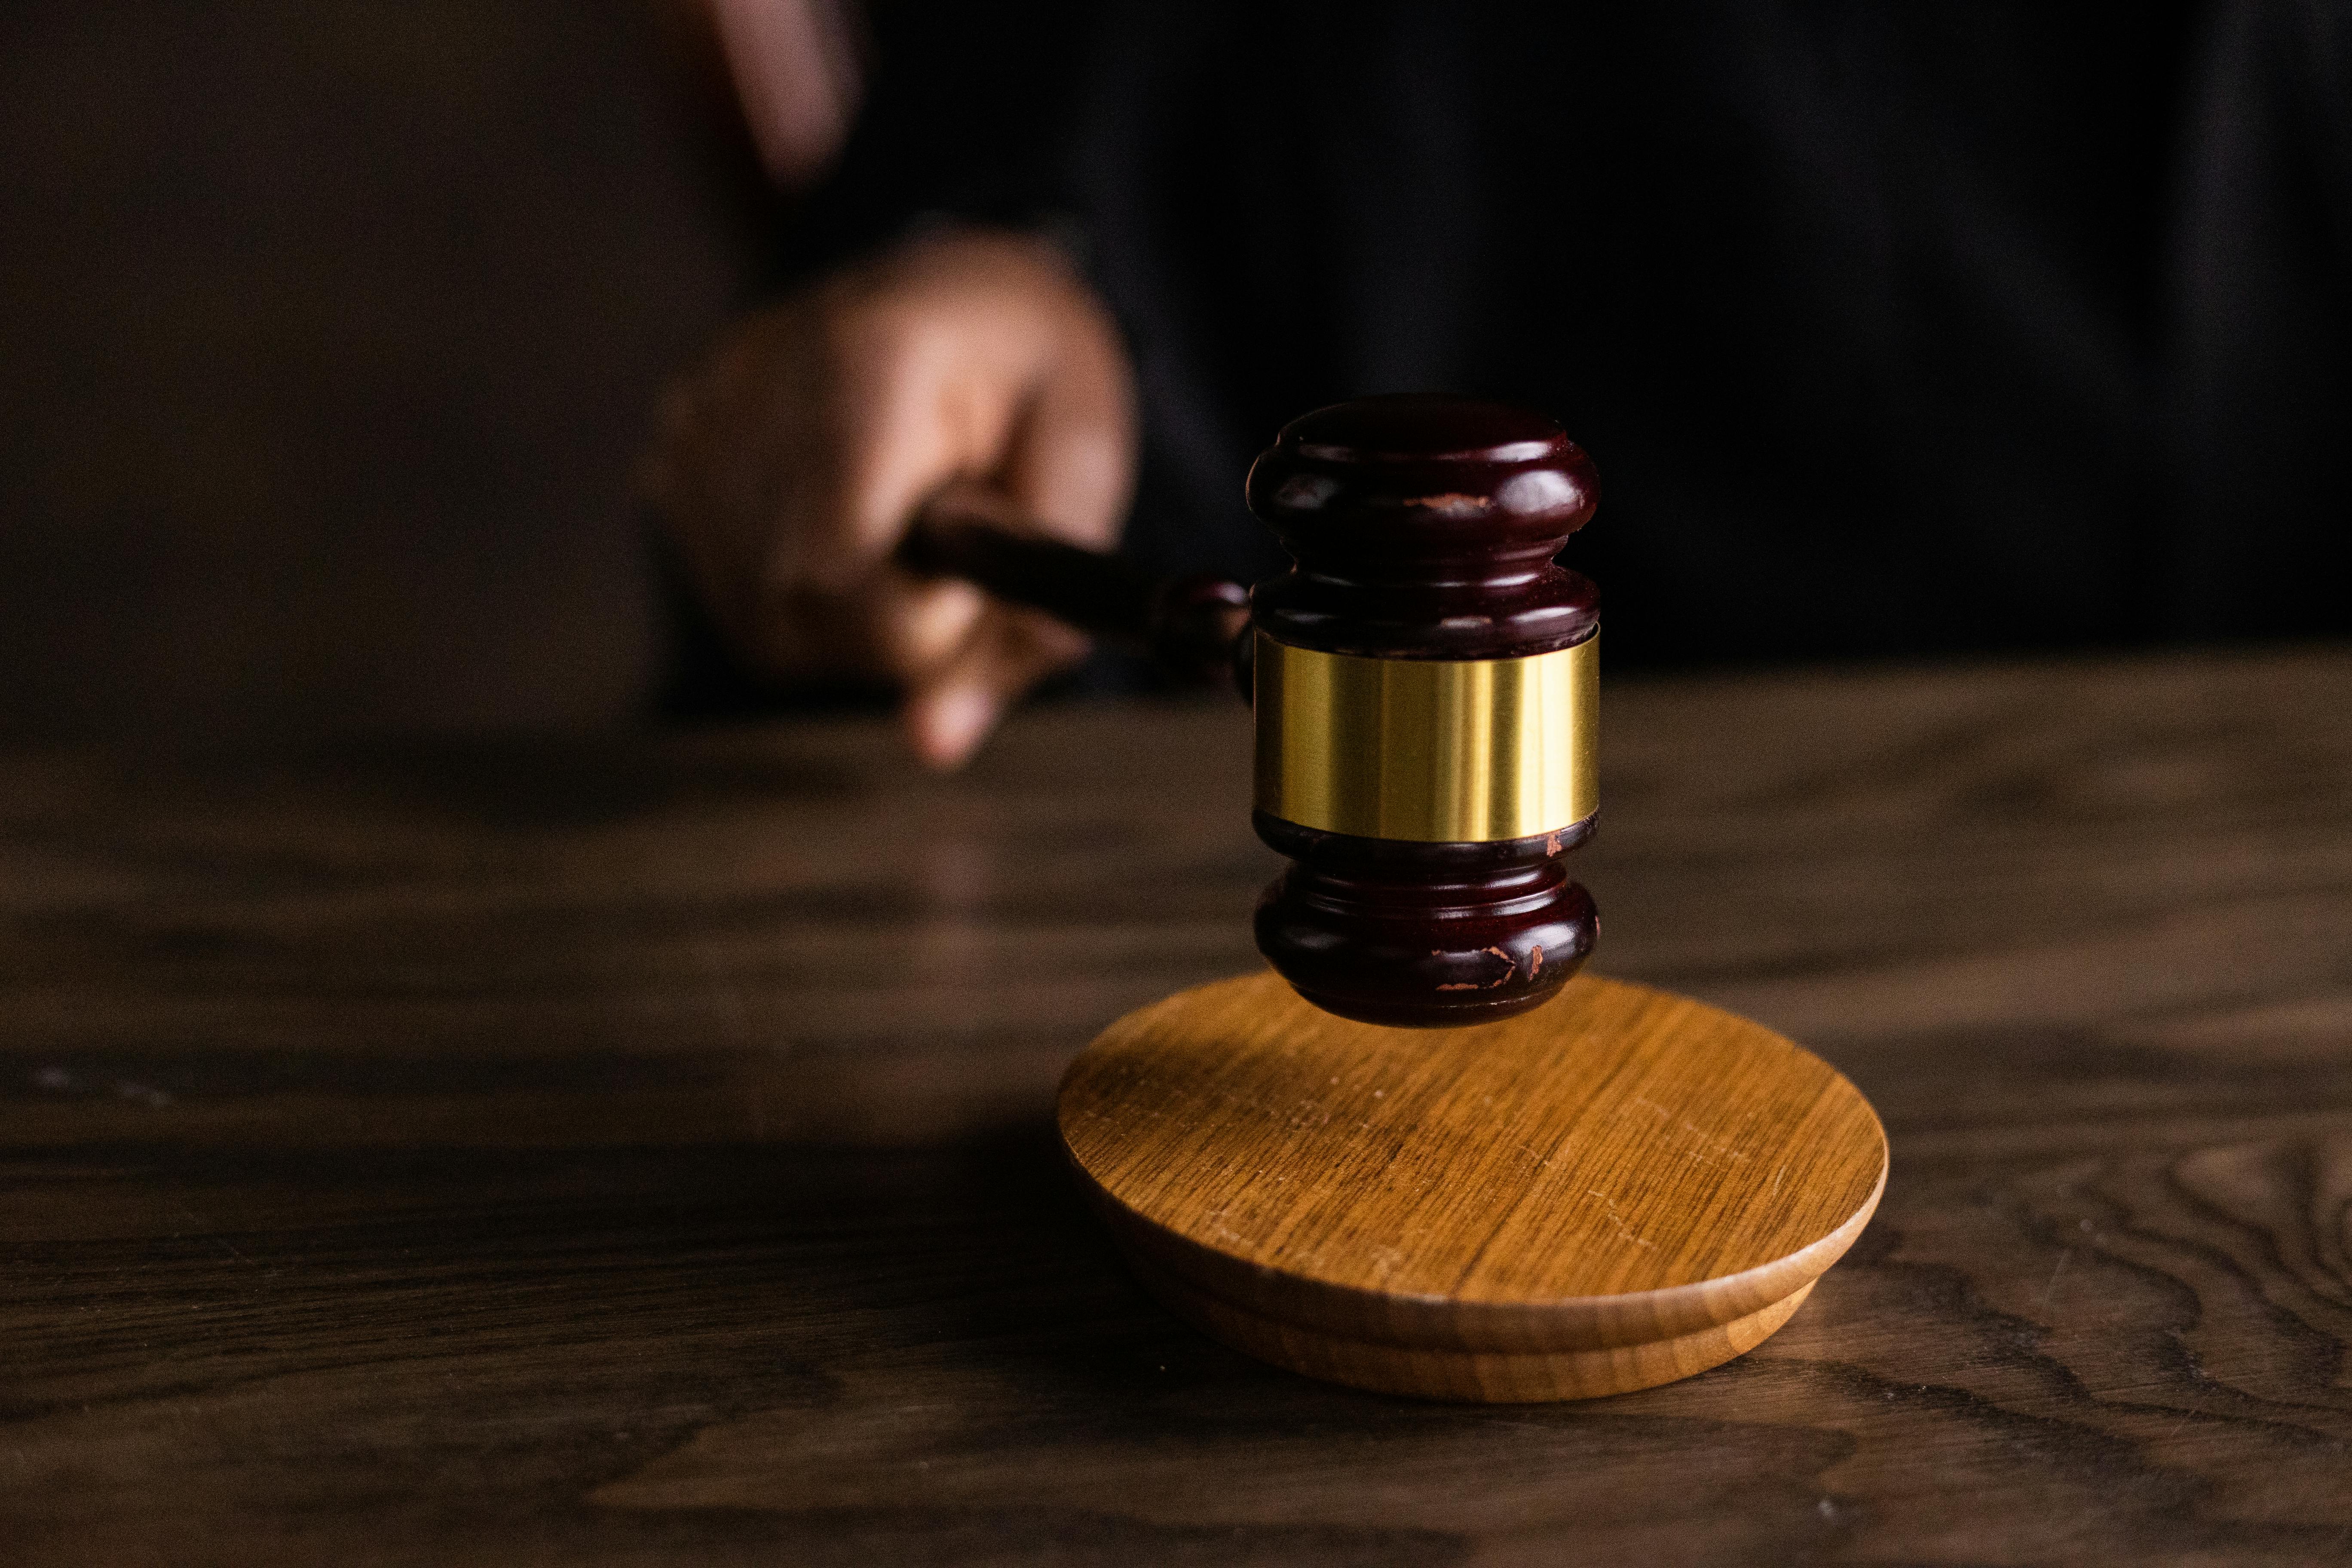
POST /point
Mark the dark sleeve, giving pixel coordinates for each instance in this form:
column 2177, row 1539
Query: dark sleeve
column 967, row 116
column 2262, row 383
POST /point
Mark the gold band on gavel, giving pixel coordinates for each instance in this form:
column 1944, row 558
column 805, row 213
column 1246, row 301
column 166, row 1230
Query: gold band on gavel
column 1437, row 750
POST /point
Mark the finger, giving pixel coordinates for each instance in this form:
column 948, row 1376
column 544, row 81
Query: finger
column 874, row 447
column 914, row 406
column 916, row 629
column 1069, row 458
column 951, row 710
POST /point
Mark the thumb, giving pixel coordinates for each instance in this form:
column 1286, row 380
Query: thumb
column 950, row 709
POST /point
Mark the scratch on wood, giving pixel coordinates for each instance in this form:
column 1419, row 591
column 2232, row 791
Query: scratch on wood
column 2047, row 1290
column 1510, row 967
column 1624, row 1231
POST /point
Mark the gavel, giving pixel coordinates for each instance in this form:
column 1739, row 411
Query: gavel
column 1425, row 681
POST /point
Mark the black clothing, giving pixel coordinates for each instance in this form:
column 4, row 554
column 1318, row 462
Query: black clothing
column 1948, row 325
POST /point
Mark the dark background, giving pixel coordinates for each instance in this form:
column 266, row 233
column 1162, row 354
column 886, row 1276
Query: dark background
column 329, row 332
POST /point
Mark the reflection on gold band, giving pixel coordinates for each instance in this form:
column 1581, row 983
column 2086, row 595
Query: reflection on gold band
column 1438, row 751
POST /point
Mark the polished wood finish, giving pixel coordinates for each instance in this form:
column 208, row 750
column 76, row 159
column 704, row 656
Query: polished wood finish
column 642, row 1154
column 1424, row 527
column 1617, row 1190
column 1423, row 935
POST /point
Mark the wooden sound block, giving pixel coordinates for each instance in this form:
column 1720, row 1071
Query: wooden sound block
column 1621, row 1188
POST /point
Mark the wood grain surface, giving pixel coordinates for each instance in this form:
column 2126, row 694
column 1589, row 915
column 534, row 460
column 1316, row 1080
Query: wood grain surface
column 1618, row 1189
column 641, row 1154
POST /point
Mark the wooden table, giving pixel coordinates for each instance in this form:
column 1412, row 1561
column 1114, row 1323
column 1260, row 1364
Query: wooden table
column 639, row 1153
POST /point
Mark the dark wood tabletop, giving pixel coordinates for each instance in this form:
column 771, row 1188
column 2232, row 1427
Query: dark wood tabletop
column 640, row 1151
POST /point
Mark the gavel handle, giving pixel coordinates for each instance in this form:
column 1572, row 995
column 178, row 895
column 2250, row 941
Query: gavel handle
column 1193, row 627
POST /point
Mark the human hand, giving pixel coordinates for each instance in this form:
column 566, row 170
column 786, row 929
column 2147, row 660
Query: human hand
column 789, row 463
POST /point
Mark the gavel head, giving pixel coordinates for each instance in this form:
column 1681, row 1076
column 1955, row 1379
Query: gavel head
column 1425, row 680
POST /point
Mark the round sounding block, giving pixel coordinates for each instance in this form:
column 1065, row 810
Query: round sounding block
column 1616, row 1189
